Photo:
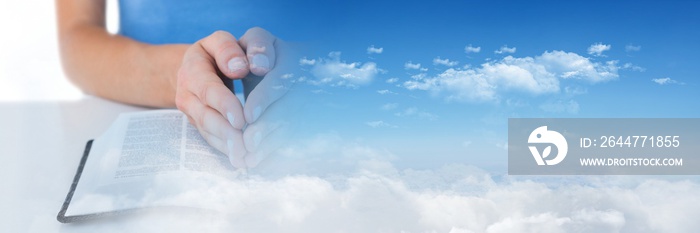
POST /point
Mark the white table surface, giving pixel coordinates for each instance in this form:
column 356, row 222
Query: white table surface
column 41, row 144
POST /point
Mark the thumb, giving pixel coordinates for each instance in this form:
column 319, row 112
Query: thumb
column 259, row 45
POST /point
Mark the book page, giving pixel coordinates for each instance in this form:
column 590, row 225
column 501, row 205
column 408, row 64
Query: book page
column 152, row 145
column 161, row 143
column 145, row 159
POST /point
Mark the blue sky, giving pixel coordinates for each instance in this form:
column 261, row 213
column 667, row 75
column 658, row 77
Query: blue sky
column 526, row 59
column 367, row 190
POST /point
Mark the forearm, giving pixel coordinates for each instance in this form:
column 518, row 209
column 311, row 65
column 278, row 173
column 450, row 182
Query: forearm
column 119, row 68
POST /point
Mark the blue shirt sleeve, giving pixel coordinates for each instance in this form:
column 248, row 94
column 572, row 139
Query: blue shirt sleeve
column 180, row 21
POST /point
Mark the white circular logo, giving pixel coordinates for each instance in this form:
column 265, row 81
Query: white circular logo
column 542, row 135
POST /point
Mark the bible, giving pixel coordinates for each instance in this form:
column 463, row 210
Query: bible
column 145, row 160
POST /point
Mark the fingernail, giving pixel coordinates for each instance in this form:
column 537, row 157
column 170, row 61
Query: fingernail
column 256, row 113
column 236, row 64
column 231, row 119
column 257, row 138
column 261, row 61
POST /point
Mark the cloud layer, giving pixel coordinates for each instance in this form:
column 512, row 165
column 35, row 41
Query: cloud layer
column 374, row 50
column 505, row 49
column 361, row 190
column 472, row 49
column 535, row 75
column 374, row 195
column 597, row 49
column 633, row 48
column 444, row 62
column 335, row 72
column 665, row 81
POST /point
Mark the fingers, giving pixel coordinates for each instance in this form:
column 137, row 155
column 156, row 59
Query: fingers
column 274, row 85
column 207, row 102
column 197, row 77
column 233, row 147
column 259, row 46
column 256, row 134
column 217, row 131
column 269, row 143
column 270, row 89
column 224, row 102
column 271, row 131
column 214, row 109
column 227, row 53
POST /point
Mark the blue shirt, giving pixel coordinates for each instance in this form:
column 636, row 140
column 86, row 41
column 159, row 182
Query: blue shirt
column 181, row 21
column 187, row 21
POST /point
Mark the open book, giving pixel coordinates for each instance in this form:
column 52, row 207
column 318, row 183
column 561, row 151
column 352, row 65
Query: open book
column 148, row 159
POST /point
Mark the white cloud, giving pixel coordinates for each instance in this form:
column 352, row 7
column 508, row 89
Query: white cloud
column 630, row 66
column 597, row 49
column 633, row 48
column 335, row 72
column 379, row 196
column 385, row 91
column 374, row 50
column 382, row 196
column 287, row 76
column 667, row 80
column 420, row 76
column 389, row 106
column 411, row 66
column 575, row 90
column 471, row 49
column 573, row 66
column 320, row 91
column 370, row 193
column 416, row 113
column 516, row 103
column 662, row 81
column 392, row 80
column 457, row 84
column 521, row 73
column 536, row 75
column 305, row 61
column 505, row 49
column 380, row 124
column 444, row 62
column 561, row 106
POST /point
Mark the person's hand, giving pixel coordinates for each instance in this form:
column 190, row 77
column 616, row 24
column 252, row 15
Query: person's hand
column 268, row 117
column 202, row 95
column 210, row 105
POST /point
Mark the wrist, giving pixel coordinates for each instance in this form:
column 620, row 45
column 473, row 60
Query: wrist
column 174, row 61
